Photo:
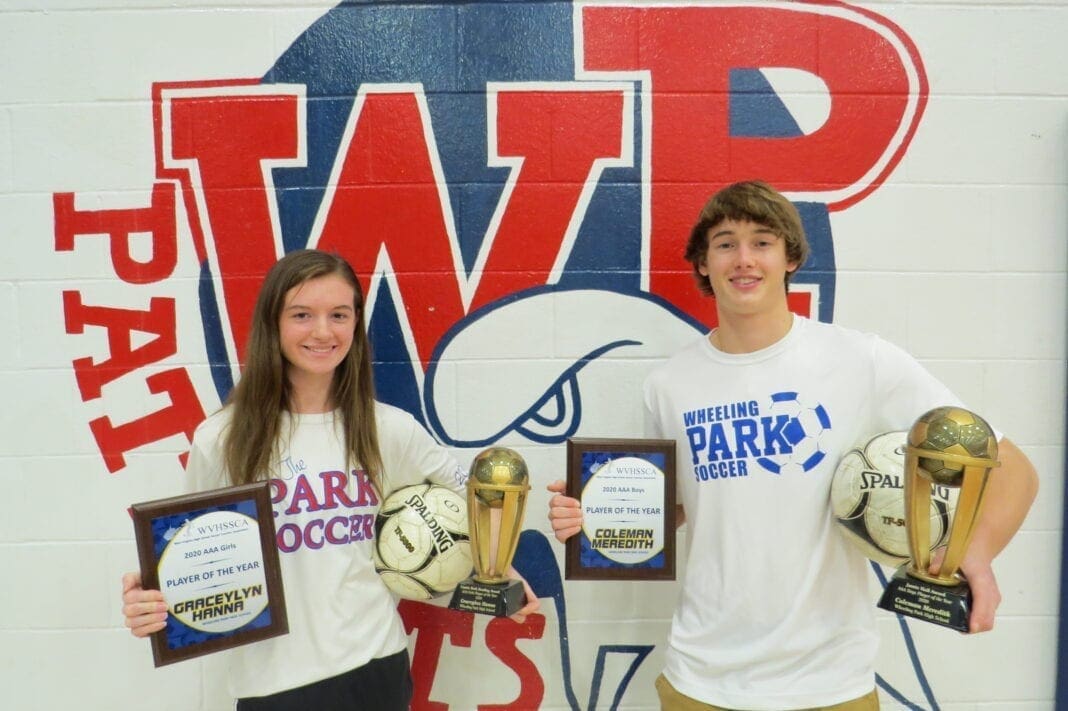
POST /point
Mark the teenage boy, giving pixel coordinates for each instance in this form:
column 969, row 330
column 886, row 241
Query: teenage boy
column 774, row 610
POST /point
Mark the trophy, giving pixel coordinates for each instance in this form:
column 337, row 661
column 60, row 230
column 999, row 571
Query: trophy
column 950, row 447
column 496, row 497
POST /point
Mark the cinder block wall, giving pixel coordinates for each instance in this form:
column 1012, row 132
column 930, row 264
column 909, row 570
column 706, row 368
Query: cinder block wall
column 953, row 246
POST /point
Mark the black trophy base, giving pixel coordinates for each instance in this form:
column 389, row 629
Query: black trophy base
column 501, row 600
column 949, row 606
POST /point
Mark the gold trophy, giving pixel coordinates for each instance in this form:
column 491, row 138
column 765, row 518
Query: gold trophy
column 496, row 498
column 947, row 446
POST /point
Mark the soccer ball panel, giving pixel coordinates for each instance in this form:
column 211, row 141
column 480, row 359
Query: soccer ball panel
column 847, row 498
column 886, row 452
column 450, row 509
column 884, row 519
column 447, row 569
column 404, row 541
column 405, row 586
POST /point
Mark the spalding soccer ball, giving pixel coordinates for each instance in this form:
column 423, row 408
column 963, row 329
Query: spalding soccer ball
column 868, row 500
column 422, row 548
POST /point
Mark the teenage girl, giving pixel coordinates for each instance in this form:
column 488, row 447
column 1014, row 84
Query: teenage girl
column 304, row 416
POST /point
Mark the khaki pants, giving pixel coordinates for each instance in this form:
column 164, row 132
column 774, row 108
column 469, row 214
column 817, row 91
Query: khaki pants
column 672, row 700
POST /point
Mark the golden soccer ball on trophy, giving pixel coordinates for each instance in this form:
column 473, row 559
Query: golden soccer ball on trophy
column 956, row 432
column 495, row 471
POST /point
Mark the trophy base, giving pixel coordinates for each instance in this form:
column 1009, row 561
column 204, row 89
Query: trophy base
column 946, row 605
column 499, row 600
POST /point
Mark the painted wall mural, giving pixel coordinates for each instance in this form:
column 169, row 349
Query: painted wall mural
column 514, row 183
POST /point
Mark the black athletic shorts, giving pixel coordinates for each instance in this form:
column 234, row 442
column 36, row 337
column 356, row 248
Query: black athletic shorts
column 380, row 685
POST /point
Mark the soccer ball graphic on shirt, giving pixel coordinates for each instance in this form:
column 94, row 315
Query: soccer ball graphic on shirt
column 806, row 429
column 868, row 500
column 422, row 548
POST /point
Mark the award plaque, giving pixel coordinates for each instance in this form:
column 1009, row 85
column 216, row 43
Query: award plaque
column 213, row 556
column 496, row 499
column 947, row 446
column 627, row 491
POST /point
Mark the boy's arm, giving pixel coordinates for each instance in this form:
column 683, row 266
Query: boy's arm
column 1010, row 491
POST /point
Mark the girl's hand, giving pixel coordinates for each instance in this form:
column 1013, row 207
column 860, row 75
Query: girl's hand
column 144, row 610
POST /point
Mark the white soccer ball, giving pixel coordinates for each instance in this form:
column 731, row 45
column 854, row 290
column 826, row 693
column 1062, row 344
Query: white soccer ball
column 422, row 546
column 868, row 500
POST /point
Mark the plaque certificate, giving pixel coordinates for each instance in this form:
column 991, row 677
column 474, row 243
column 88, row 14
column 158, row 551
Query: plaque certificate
column 626, row 488
column 213, row 556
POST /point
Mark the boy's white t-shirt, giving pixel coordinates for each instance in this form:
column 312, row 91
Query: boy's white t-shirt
column 775, row 610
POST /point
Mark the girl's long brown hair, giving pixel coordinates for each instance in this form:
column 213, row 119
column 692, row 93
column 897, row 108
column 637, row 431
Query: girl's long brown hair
column 263, row 392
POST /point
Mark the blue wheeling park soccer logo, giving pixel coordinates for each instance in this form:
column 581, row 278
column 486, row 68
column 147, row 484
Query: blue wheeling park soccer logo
column 511, row 182
column 785, row 434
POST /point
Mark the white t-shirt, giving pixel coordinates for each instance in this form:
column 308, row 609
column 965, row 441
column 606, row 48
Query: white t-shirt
column 774, row 611
column 340, row 614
